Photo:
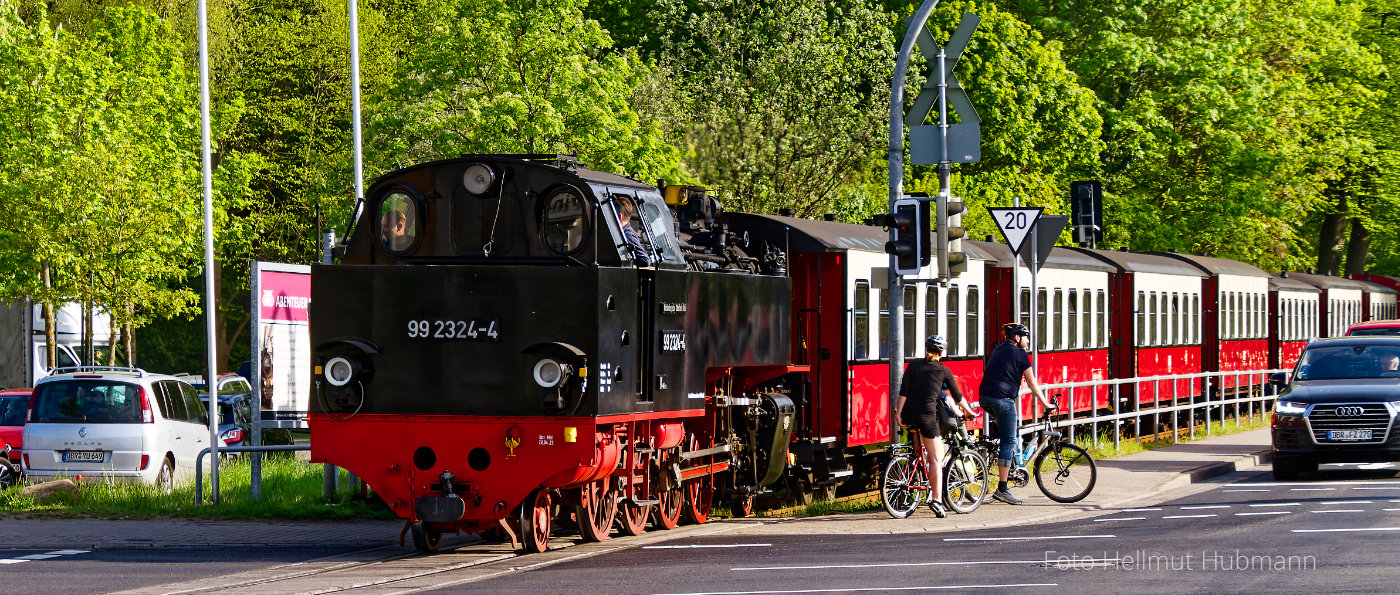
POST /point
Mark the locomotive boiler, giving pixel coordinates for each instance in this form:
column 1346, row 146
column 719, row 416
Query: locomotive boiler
column 489, row 358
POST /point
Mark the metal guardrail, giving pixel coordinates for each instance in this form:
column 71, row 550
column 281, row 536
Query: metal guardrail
column 1247, row 392
column 199, row 464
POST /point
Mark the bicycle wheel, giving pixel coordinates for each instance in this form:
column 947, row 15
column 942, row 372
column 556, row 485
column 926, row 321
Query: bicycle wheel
column 965, row 481
column 897, row 483
column 1065, row 472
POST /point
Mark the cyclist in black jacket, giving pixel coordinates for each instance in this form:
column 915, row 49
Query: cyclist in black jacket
column 1002, row 374
column 919, row 392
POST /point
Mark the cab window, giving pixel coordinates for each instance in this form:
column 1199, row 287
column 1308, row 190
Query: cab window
column 398, row 222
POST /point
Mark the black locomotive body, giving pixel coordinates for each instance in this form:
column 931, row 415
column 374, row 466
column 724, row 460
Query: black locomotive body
column 486, row 349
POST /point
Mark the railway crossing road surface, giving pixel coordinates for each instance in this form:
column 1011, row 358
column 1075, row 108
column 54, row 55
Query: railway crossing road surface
column 1148, row 525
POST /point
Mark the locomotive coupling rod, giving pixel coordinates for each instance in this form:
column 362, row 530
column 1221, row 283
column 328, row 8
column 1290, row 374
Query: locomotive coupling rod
column 695, row 454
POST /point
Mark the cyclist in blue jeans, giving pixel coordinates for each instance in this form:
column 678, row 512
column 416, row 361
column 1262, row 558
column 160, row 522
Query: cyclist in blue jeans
column 1002, row 374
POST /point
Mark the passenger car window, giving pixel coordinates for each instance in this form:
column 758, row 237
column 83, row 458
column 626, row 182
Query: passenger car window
column 197, row 412
column 85, row 401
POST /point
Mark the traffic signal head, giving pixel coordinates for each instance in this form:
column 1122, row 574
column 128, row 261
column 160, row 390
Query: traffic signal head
column 910, row 242
column 951, row 259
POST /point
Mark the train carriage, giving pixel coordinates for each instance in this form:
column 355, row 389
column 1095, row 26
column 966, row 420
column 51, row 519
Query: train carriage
column 1378, row 300
column 1236, row 316
column 842, row 325
column 1293, row 320
column 1386, row 310
column 1071, row 319
column 1340, row 303
column 1155, row 305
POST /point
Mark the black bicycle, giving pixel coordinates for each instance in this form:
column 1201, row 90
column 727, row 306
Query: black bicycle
column 1064, row 471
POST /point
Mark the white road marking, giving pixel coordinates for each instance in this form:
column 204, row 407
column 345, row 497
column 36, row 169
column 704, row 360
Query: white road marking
column 43, row 556
column 698, row 546
column 1346, row 502
column 1244, row 490
column 1263, row 513
column 1125, row 518
column 1140, row 509
column 1035, row 538
column 1338, row 510
column 888, row 565
column 1346, row 530
column 1328, row 483
column 1190, row 516
column 1313, row 489
column 1278, row 504
column 865, row 589
column 1204, row 507
column 1391, row 509
column 1391, row 488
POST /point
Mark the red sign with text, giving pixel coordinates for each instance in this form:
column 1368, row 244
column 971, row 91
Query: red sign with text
column 285, row 296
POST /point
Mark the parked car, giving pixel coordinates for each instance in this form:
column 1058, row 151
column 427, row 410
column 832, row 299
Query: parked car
column 235, row 417
column 119, row 423
column 1374, row 327
column 1340, row 405
column 14, row 404
column 235, row 405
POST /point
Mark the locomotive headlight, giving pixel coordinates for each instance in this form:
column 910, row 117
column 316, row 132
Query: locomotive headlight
column 478, row 178
column 549, row 373
column 339, row 371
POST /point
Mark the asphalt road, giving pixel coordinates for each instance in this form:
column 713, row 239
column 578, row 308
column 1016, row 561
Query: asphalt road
column 1242, row 532
column 1337, row 533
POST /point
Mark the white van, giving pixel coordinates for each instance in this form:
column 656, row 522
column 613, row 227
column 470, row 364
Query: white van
column 118, row 423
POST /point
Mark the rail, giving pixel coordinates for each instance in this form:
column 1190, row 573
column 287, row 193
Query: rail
column 199, row 464
column 1248, row 392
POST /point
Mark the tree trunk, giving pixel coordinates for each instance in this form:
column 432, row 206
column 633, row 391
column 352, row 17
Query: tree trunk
column 129, row 335
column 1358, row 248
column 1332, row 238
column 112, row 340
column 50, row 340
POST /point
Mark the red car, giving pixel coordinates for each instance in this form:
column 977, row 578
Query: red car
column 1375, row 327
column 14, row 403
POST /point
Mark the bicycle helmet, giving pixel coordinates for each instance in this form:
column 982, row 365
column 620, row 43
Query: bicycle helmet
column 935, row 343
column 1012, row 330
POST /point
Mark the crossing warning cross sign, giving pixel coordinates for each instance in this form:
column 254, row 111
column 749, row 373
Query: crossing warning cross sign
column 1016, row 224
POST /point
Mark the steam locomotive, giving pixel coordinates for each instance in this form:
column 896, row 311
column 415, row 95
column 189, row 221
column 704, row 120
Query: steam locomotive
column 489, row 359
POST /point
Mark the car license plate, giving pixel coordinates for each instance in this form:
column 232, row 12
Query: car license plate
column 1349, row 435
column 74, row 456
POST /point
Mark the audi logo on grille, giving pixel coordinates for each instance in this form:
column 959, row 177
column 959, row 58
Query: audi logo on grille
column 1349, row 411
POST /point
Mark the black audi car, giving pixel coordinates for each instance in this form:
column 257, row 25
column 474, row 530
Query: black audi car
column 1339, row 407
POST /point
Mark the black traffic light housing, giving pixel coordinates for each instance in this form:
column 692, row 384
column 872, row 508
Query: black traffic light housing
column 1086, row 209
column 911, row 243
column 951, row 259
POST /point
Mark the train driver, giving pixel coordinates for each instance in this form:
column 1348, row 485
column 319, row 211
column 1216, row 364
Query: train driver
column 625, row 211
column 1000, row 391
column 394, row 230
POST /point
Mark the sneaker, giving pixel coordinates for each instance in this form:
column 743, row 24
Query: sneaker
column 1005, row 496
column 937, row 508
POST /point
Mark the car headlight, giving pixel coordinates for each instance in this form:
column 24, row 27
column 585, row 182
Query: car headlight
column 340, row 371
column 550, row 373
column 1290, row 407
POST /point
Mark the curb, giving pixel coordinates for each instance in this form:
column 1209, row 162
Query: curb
column 1217, row 469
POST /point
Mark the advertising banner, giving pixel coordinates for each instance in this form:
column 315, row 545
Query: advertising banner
column 281, row 343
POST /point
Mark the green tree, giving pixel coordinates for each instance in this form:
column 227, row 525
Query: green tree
column 779, row 104
column 500, row 76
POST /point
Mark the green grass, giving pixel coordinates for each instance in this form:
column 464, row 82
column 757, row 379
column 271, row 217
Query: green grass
column 291, row 489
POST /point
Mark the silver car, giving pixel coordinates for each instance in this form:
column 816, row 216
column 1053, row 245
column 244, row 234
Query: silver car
column 119, row 423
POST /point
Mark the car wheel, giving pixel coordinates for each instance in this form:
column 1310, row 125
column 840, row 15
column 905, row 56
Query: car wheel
column 9, row 473
column 1285, row 470
column 165, row 479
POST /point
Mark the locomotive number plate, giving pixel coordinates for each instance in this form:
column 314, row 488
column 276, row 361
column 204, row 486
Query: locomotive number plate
column 454, row 330
column 673, row 341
